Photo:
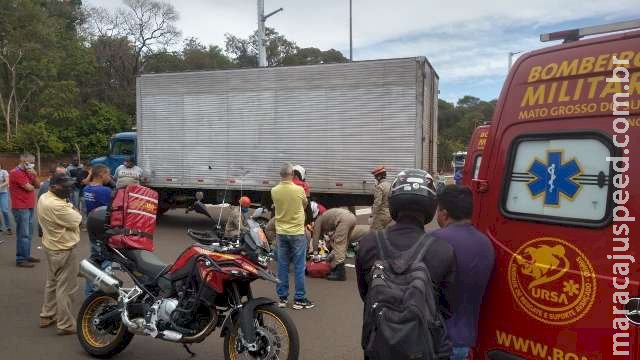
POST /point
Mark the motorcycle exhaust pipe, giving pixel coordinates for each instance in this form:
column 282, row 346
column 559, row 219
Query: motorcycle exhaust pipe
column 99, row 278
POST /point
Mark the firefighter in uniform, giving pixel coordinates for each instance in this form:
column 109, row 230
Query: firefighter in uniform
column 380, row 216
column 341, row 222
column 237, row 221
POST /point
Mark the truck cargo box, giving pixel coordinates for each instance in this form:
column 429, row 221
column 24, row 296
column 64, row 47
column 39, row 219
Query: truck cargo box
column 232, row 128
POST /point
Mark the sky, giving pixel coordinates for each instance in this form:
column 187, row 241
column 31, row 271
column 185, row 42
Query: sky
column 467, row 41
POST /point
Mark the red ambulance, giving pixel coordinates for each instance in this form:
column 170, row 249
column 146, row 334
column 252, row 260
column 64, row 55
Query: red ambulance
column 474, row 154
column 557, row 193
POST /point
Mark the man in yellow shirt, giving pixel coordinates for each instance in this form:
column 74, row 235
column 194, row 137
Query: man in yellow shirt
column 60, row 224
column 290, row 201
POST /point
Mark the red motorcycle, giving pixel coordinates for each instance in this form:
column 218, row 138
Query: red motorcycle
column 208, row 287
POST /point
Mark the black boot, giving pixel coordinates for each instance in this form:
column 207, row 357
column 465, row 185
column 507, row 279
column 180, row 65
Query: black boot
column 337, row 273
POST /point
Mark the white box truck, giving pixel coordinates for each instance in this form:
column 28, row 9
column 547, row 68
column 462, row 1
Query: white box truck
column 229, row 130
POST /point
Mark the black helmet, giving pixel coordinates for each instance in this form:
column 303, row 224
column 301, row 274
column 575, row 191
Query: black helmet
column 413, row 190
column 96, row 223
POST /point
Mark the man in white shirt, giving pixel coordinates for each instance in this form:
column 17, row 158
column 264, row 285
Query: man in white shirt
column 128, row 173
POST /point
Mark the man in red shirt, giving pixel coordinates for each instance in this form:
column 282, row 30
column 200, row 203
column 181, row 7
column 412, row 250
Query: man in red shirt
column 299, row 178
column 23, row 182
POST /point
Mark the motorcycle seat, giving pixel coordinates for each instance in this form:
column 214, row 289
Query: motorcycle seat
column 147, row 262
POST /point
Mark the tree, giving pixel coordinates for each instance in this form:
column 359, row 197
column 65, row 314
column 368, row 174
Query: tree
column 114, row 81
column 167, row 61
column 457, row 123
column 149, row 25
column 100, row 121
column 311, row 56
column 280, row 51
column 197, row 57
column 244, row 53
column 26, row 57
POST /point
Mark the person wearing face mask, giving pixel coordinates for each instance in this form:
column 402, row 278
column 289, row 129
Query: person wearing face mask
column 23, row 182
column 238, row 219
column 60, row 223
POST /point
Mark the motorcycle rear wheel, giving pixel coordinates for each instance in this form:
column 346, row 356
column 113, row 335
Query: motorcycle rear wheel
column 277, row 337
column 101, row 342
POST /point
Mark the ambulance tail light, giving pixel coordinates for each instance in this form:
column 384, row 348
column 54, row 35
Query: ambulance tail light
column 480, row 186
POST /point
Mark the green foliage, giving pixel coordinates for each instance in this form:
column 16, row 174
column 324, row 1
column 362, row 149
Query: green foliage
column 456, row 124
column 100, row 121
column 38, row 135
column 280, row 51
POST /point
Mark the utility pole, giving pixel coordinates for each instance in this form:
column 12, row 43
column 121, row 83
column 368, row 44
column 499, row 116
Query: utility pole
column 262, row 52
column 350, row 31
column 511, row 53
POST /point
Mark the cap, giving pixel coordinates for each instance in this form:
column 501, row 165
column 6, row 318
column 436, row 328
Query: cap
column 245, row 201
column 378, row 170
column 61, row 179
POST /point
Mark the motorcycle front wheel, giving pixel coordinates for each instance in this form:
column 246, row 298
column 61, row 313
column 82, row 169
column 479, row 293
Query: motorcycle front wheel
column 276, row 337
column 101, row 340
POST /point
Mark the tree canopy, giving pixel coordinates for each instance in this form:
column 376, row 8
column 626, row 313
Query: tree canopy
column 456, row 123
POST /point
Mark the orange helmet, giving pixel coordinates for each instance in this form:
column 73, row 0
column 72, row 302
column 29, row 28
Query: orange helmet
column 245, row 202
column 378, row 170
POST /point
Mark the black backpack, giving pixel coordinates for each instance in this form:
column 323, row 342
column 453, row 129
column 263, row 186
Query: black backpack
column 401, row 317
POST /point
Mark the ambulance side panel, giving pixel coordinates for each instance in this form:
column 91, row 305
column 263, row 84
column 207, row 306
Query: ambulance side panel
column 549, row 205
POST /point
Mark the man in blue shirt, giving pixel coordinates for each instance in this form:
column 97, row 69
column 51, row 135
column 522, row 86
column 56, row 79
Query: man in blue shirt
column 96, row 194
column 474, row 262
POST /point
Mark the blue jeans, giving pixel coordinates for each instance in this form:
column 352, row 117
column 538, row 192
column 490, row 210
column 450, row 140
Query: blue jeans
column 24, row 233
column 291, row 249
column 460, row 353
column 4, row 208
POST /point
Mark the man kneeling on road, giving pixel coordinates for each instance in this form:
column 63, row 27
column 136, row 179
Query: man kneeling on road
column 60, row 224
column 342, row 222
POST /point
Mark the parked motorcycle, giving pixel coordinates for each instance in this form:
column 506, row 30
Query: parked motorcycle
column 207, row 287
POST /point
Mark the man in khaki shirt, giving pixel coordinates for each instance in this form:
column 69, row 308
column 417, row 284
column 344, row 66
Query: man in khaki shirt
column 380, row 216
column 60, row 224
column 341, row 223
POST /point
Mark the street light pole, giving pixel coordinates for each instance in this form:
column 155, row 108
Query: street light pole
column 511, row 53
column 262, row 51
column 350, row 31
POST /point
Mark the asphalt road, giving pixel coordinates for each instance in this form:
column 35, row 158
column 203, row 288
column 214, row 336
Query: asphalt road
column 329, row 331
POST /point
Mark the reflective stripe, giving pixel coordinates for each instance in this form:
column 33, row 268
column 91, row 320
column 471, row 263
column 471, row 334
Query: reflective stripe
column 140, row 212
column 143, row 197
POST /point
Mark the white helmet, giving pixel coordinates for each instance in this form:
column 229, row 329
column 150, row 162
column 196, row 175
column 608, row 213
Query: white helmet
column 301, row 170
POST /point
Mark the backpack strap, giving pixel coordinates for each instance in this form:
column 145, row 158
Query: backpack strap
column 429, row 240
column 129, row 232
column 381, row 241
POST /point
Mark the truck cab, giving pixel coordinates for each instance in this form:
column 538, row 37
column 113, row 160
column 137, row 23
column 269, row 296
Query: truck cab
column 457, row 164
column 557, row 197
column 474, row 154
column 121, row 145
